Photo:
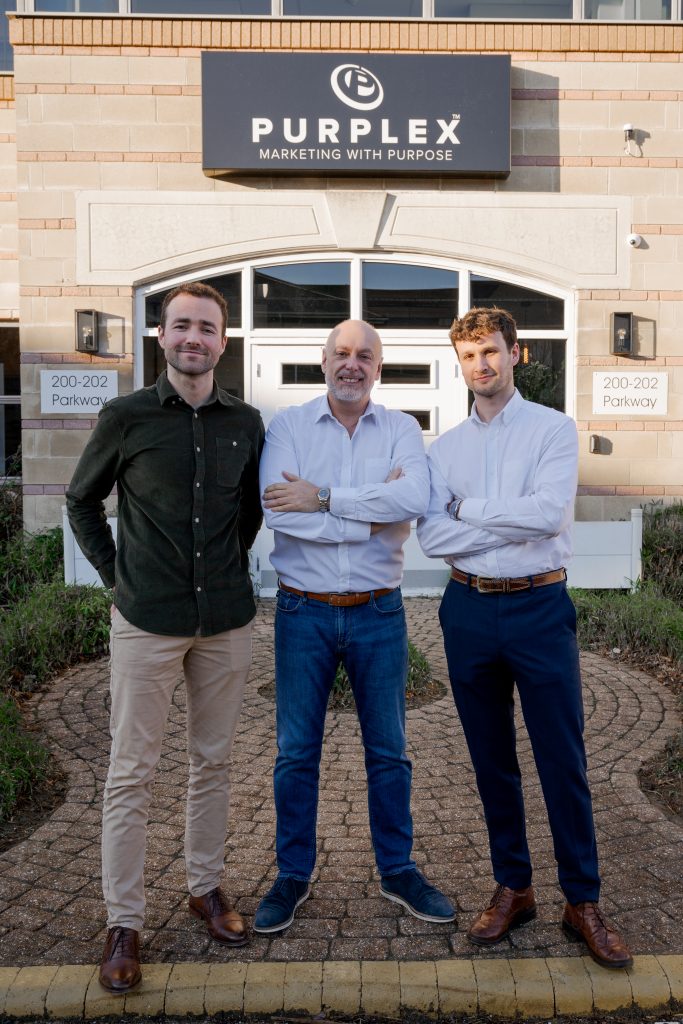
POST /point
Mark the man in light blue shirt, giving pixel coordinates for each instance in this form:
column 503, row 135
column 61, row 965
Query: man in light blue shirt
column 500, row 513
column 341, row 480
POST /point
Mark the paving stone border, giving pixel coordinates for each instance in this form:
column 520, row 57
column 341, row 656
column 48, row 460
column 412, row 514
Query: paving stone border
column 435, row 988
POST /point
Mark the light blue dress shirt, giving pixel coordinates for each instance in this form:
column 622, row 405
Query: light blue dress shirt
column 334, row 551
column 517, row 476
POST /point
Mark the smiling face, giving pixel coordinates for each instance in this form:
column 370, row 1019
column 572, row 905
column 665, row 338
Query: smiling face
column 192, row 335
column 487, row 366
column 352, row 360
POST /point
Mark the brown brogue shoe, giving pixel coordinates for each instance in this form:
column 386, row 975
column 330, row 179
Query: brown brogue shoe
column 222, row 920
column 508, row 909
column 584, row 922
column 120, row 968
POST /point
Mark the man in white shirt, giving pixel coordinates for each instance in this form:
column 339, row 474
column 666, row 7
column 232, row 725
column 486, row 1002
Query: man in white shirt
column 341, row 479
column 502, row 496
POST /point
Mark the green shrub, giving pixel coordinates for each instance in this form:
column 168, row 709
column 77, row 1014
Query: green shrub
column 53, row 627
column 23, row 762
column 663, row 549
column 10, row 512
column 643, row 622
column 27, row 560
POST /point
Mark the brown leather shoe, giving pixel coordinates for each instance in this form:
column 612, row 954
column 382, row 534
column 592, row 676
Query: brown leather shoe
column 222, row 920
column 584, row 922
column 508, row 909
column 120, row 968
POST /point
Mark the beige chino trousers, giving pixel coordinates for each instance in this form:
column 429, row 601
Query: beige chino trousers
column 145, row 668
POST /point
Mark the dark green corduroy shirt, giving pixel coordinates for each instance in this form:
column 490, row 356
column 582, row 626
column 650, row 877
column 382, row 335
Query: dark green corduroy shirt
column 189, row 508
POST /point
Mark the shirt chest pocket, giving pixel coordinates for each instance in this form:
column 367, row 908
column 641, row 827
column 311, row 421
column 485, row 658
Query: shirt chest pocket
column 231, row 458
column 375, row 470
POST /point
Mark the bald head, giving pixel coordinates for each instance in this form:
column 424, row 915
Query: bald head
column 354, row 330
column 352, row 358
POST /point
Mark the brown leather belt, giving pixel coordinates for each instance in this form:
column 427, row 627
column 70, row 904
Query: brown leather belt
column 491, row 585
column 339, row 600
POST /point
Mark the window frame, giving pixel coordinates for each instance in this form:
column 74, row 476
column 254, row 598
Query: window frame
column 253, row 336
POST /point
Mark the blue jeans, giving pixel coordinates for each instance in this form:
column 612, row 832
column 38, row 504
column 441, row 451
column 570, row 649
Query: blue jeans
column 311, row 638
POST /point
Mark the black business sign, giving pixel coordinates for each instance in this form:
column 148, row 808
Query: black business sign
column 356, row 113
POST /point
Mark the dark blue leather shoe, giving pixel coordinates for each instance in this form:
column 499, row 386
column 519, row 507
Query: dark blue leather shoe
column 278, row 907
column 412, row 890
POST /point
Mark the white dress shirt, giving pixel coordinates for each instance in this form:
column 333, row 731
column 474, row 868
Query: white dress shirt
column 334, row 551
column 517, row 476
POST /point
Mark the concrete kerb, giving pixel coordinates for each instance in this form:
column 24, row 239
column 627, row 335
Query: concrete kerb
column 540, row 987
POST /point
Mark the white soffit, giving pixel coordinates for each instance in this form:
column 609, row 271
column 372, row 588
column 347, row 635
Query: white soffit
column 578, row 241
column 575, row 241
column 124, row 237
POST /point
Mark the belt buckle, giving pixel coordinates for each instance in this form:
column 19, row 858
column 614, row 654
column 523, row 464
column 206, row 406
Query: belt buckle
column 484, row 580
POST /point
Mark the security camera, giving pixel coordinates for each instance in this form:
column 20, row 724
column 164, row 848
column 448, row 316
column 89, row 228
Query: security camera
column 634, row 240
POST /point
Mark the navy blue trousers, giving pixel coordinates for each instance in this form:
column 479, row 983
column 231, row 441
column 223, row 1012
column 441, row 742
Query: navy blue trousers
column 527, row 639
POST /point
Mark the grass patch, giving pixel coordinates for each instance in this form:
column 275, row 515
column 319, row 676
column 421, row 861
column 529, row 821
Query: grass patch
column 421, row 687
column 24, row 763
column 27, row 560
column 51, row 628
column 644, row 626
column 663, row 549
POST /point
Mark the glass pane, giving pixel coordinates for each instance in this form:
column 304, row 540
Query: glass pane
column 544, row 9
column 302, row 373
column 539, row 374
column 9, row 361
column 230, row 370
column 200, row 6
column 229, row 373
column 6, row 55
column 397, row 295
column 531, row 310
column 423, row 417
column 355, row 8
column 301, row 295
column 79, row 6
column 400, row 373
column 628, row 10
column 230, row 287
column 10, row 439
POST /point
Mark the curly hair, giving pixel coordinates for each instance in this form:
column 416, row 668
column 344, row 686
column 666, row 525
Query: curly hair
column 481, row 321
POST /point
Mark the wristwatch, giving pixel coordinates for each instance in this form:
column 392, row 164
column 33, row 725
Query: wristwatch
column 324, row 499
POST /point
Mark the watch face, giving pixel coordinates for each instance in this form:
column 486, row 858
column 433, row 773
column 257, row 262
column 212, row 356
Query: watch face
column 324, row 494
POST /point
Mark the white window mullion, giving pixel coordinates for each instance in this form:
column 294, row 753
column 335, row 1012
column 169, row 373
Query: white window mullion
column 356, row 289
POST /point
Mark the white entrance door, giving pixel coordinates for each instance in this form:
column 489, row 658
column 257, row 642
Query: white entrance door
column 421, row 378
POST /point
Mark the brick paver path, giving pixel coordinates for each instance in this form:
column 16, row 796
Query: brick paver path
column 51, row 910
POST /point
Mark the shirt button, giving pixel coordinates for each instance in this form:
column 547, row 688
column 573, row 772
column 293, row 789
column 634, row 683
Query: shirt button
column 196, row 519
column 198, row 448
column 196, row 415
column 199, row 588
column 234, row 444
column 199, row 554
column 197, row 485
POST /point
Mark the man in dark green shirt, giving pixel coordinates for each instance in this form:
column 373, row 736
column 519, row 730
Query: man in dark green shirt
column 184, row 456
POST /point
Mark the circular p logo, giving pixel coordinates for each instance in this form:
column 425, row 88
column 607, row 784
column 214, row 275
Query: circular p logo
column 356, row 87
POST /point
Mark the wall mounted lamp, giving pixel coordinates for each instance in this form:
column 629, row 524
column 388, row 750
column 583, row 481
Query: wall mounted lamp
column 622, row 334
column 631, row 145
column 87, row 330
